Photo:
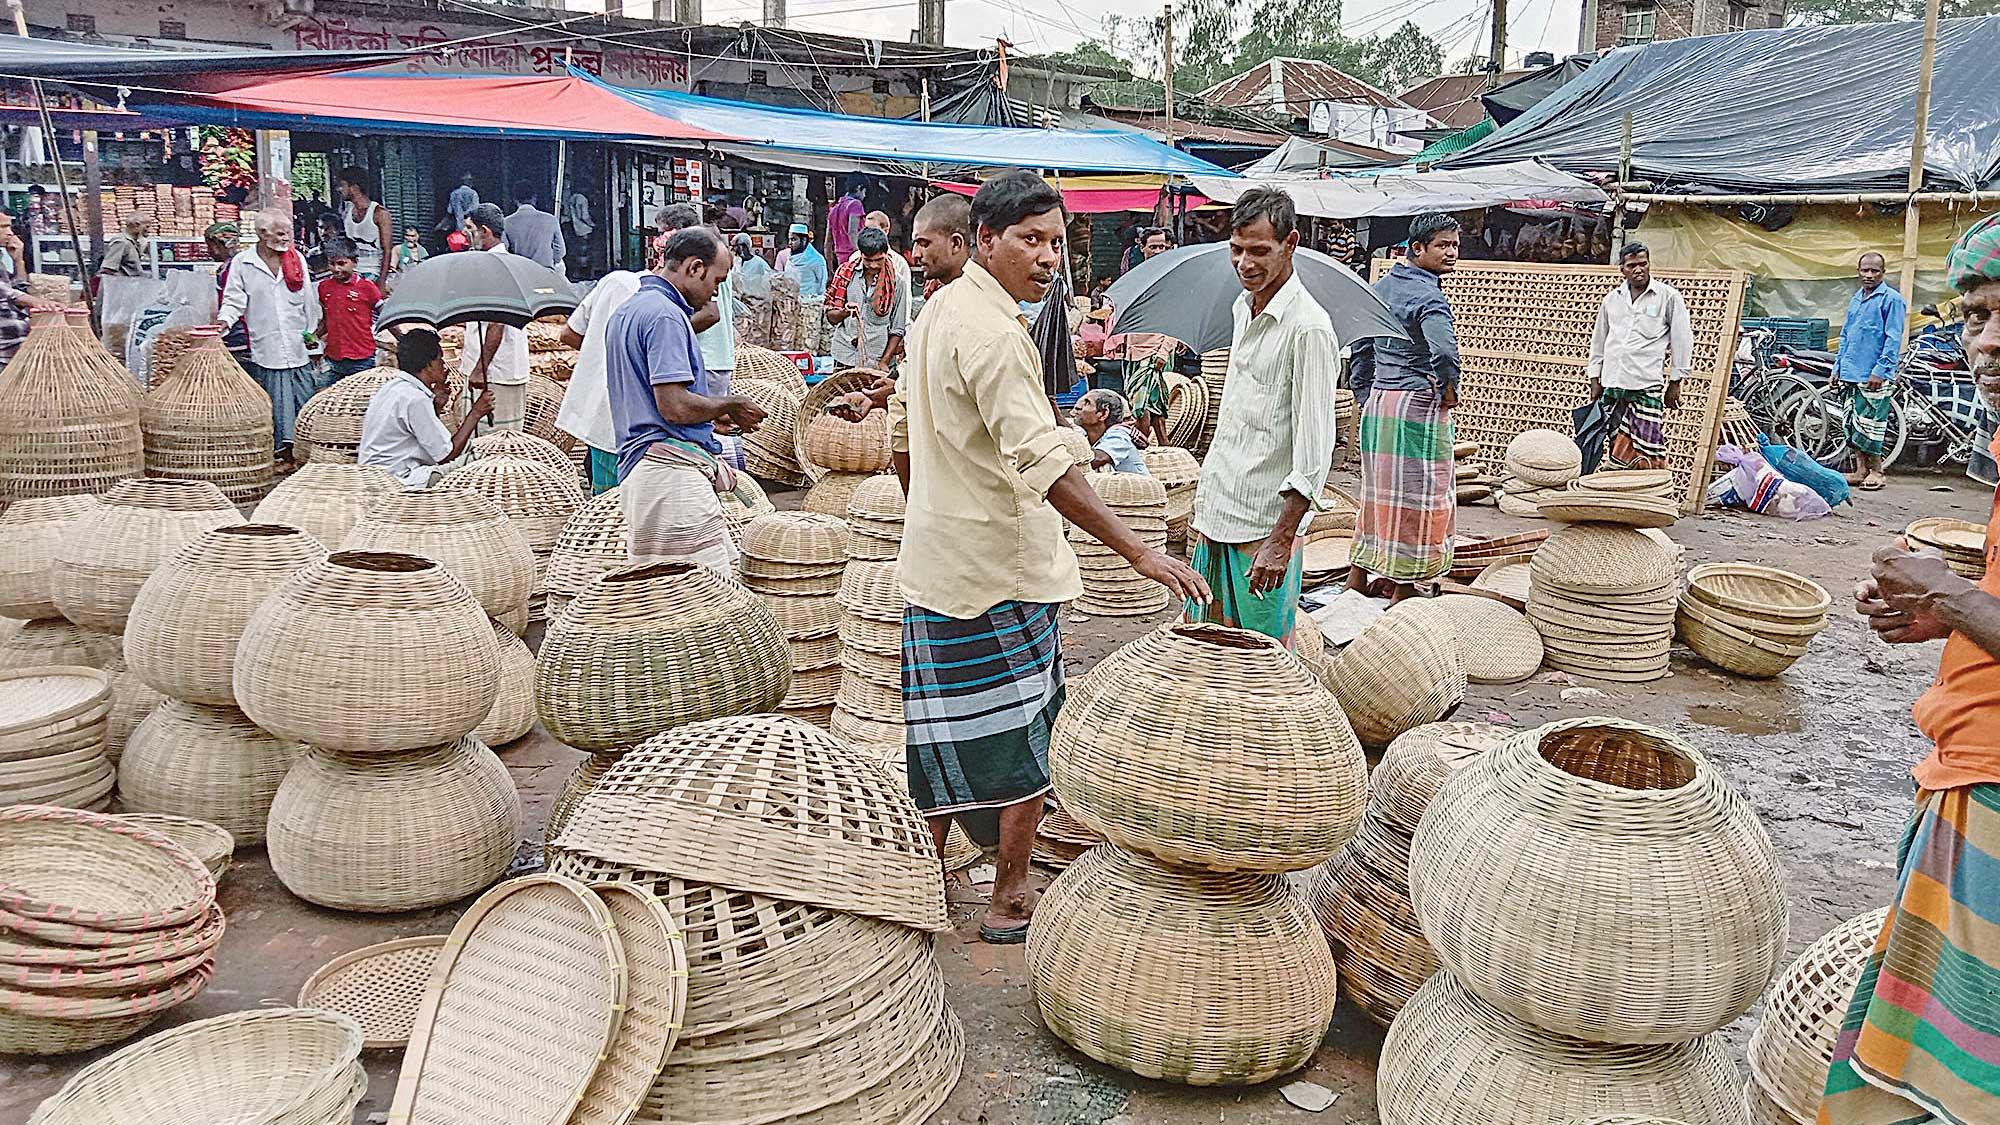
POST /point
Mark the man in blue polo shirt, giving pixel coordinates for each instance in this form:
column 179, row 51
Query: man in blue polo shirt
column 669, row 473
column 1871, row 343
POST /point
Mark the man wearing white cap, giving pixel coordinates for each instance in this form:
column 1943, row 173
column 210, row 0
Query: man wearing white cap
column 804, row 262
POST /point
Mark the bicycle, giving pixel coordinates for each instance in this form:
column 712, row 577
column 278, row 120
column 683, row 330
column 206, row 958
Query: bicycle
column 1766, row 385
column 1920, row 410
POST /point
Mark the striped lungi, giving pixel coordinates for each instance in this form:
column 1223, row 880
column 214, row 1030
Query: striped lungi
column 1868, row 420
column 980, row 696
column 1637, row 421
column 1409, row 491
column 1922, row 1036
column 673, row 514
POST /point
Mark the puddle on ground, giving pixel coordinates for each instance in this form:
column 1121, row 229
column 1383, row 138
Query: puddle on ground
column 1744, row 721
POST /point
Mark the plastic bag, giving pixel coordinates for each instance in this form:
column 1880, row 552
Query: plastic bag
column 184, row 298
column 1752, row 483
column 1793, row 464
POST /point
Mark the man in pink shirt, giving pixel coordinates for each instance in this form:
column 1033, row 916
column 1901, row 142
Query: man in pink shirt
column 843, row 220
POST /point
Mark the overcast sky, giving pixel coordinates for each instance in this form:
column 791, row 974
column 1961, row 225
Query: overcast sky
column 1049, row 25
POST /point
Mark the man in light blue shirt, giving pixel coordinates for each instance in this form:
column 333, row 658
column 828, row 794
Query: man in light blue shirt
column 806, row 263
column 1871, row 344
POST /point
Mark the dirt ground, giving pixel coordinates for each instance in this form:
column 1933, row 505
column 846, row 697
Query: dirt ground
column 1823, row 753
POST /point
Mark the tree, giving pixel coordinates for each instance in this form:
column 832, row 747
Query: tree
column 1310, row 29
column 1090, row 53
column 1204, row 42
column 1405, row 57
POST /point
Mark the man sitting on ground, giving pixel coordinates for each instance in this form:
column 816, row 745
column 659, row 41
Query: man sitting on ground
column 404, row 430
column 1114, row 443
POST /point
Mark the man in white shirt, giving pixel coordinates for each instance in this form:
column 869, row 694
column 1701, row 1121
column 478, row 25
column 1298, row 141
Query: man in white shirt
column 586, row 405
column 269, row 293
column 1641, row 326
column 403, row 432
column 495, row 355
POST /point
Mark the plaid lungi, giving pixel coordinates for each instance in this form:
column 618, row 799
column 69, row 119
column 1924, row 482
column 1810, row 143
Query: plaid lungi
column 1637, row 421
column 1409, row 491
column 980, row 696
column 1146, row 386
column 1226, row 569
column 1922, row 1036
column 1868, row 419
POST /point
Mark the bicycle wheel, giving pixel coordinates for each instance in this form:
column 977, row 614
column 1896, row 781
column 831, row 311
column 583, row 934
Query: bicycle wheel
column 1895, row 436
column 1819, row 428
column 1774, row 398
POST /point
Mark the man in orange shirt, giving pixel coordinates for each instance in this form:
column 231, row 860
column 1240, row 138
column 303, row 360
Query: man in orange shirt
column 1919, row 1043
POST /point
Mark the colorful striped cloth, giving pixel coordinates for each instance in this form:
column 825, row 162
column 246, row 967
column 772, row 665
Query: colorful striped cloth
column 1409, row 490
column 1976, row 256
column 980, row 696
column 1226, row 569
column 1638, row 424
column 1922, row 1036
column 1868, row 420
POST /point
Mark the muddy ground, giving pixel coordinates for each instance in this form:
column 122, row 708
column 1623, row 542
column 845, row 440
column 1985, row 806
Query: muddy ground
column 1822, row 752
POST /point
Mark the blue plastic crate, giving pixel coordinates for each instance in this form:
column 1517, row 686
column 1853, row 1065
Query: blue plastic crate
column 1793, row 331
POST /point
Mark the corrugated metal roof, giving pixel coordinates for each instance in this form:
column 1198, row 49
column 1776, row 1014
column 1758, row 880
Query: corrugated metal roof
column 1294, row 85
column 1454, row 98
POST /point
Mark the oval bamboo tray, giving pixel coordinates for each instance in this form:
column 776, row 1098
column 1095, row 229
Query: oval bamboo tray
column 464, row 532
column 207, row 763
column 1403, row 672
column 74, row 868
column 326, row 500
column 380, row 987
column 656, row 967
column 29, row 532
column 210, row 843
column 1794, row 1042
column 107, row 553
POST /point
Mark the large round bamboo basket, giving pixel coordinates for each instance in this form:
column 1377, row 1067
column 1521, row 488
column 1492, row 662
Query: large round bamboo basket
column 29, row 532
column 381, row 833
column 1654, row 911
column 830, row 494
column 65, row 428
column 1452, row 1060
column 1793, row 1045
column 326, row 500
column 536, row 498
column 107, row 553
column 1202, row 979
column 1418, row 763
column 834, row 444
column 132, row 699
column 209, row 421
column 544, row 402
column 514, row 443
column 210, row 763
column 463, row 531
column 328, row 427
column 813, row 405
column 513, row 713
column 753, row 362
column 368, row 652
column 1362, row 900
column 1403, row 672
column 1210, row 748
column 182, row 632
column 592, row 543
column 771, row 453
column 648, row 648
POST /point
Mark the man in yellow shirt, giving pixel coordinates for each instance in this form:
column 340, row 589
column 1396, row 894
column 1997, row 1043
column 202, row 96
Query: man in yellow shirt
column 985, row 566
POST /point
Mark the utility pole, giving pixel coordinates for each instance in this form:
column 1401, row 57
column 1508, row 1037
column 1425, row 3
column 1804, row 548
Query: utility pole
column 930, row 22
column 1497, row 60
column 1167, row 46
column 774, row 13
column 1910, row 220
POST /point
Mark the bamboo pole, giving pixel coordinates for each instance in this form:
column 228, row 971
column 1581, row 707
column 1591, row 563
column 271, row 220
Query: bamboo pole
column 1974, row 198
column 62, row 178
column 1924, row 68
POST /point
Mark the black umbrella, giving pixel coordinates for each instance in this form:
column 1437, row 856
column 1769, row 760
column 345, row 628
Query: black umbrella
column 1189, row 293
column 453, row 288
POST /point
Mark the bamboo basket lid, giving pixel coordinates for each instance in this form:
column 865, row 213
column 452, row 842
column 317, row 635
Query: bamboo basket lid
column 518, row 443
column 803, row 538
column 879, row 498
column 525, row 1001
column 1758, row 590
column 325, row 500
column 1629, row 509
column 537, row 498
column 1794, row 1042
column 1418, row 763
column 463, row 531
column 1604, row 559
column 592, row 543
column 379, row 987
column 1546, row 450
column 1498, row 644
column 767, row 805
column 69, row 868
column 29, row 532
column 1404, row 671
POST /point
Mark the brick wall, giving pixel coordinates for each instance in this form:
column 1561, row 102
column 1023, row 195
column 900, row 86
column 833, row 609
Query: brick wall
column 1678, row 19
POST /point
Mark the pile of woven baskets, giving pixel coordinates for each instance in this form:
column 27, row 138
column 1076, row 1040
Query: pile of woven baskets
column 1750, row 620
column 325, row 499
column 1214, row 377
column 208, row 420
column 109, row 925
column 536, row 497
column 1362, row 895
column 793, row 561
column 1962, row 542
column 1212, row 762
column 1403, row 671
column 1792, row 1048
column 592, row 543
column 1474, row 484
column 868, row 710
column 69, row 415
column 1603, row 598
column 1180, row 474
column 806, row 889
column 875, row 520
column 1592, row 980
column 1187, row 410
column 548, row 356
column 1536, row 461
column 382, row 664
column 328, row 427
column 52, row 726
column 1111, row 588
column 770, row 452
column 837, row 455
column 1627, row 497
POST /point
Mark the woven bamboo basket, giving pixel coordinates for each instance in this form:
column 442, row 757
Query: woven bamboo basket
column 1418, row 763
column 210, row 843
column 65, row 429
column 771, row 806
column 339, row 656
column 1794, row 1042
column 1544, row 458
column 107, row 553
column 1210, row 748
column 514, row 443
column 210, row 763
column 328, row 427
column 538, row 499
column 56, row 640
column 809, row 539
column 76, row 869
column 1760, row 1109
column 1727, row 643
column 390, row 832
column 131, row 702
column 744, row 504
column 592, row 543
column 289, row 1065
column 380, row 987
column 326, row 500
column 513, row 713
column 771, row 453
column 1497, row 643
column 1654, row 912
column 1202, row 979
column 463, row 531
column 830, row 494
column 1362, row 900
column 753, row 362
column 181, row 635
column 543, row 404
column 1763, row 597
column 1404, row 671
column 813, row 405
column 648, row 648
column 209, row 421
column 834, row 444
column 1452, row 1060
column 29, row 532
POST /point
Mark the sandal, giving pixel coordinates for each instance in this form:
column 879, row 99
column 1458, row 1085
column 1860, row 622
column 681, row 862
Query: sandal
column 1873, row 482
column 1004, row 935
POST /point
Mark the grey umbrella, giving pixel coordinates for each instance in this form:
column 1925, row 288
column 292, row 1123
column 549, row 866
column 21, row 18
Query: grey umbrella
column 1188, row 294
column 453, row 288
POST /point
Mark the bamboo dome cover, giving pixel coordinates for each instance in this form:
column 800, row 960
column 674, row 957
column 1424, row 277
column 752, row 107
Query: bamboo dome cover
column 1418, row 763
column 380, row 833
column 592, row 543
column 753, row 362
column 1793, row 1045
column 1198, row 978
column 29, row 532
column 1450, row 1059
column 771, row 452
column 1362, row 900
column 464, row 532
column 209, row 421
column 368, row 652
column 831, row 493
column 644, row 649
column 513, row 713
column 1211, row 748
column 515, row 443
column 181, row 635
column 537, row 498
column 1654, row 911
column 210, row 763
column 65, row 428
column 1404, row 671
column 107, row 553
column 544, row 402
column 326, row 500
column 56, row 640
column 772, row 806
column 328, row 427
column 805, row 539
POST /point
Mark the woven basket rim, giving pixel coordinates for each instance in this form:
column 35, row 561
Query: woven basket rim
column 1699, row 586
column 319, row 977
column 192, row 906
column 381, row 562
column 10, row 725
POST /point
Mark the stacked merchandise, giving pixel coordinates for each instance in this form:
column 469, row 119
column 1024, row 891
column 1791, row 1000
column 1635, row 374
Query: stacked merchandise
column 110, row 925
column 1179, row 473
column 1471, row 555
column 209, row 843
column 65, row 427
column 868, row 709
column 1213, row 763
column 742, row 504
column 1750, row 620
column 1631, row 497
column 793, row 561
column 875, row 520
column 1111, row 588
column 1405, row 670
column 209, row 421
column 535, row 497
column 52, row 724
column 543, row 404
column 1214, row 376
column 1603, row 599
column 1475, row 484
column 1536, row 461
column 382, row 664
column 465, row 533
column 753, row 362
column 326, row 500
column 174, row 212
column 1792, row 1048
column 1594, row 979
column 806, row 889
column 839, row 455
column 328, row 427
column 1962, row 542
column 1187, row 410
column 548, row 356
column 198, row 754
column 1362, row 895
column 1327, row 557
column 771, row 453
